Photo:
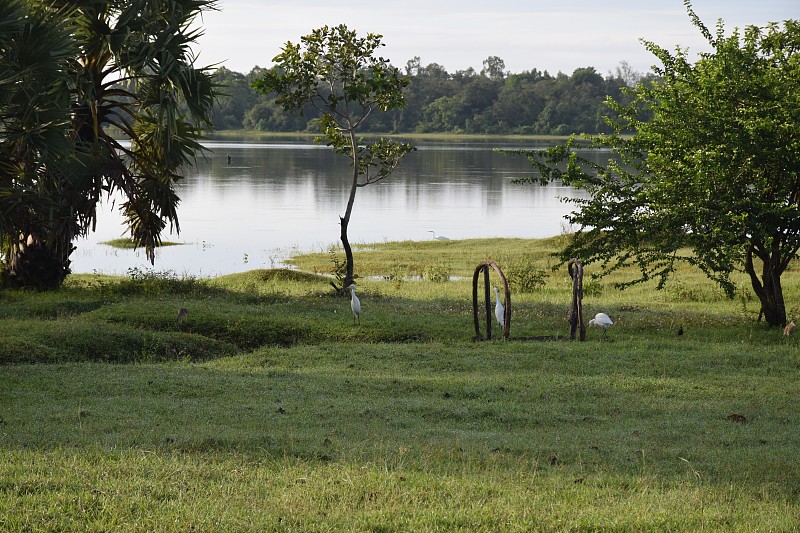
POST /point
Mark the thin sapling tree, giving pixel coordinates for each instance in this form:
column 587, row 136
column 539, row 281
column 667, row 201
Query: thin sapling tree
column 338, row 73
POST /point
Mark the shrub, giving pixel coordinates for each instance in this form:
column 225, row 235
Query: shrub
column 523, row 275
column 436, row 273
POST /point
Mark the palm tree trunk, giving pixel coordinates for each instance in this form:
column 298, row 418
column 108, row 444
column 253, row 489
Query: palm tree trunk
column 34, row 265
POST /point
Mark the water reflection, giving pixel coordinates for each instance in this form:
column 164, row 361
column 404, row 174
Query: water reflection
column 279, row 198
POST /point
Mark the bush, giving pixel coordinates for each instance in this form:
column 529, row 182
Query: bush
column 338, row 266
column 436, row 273
column 523, row 275
column 592, row 287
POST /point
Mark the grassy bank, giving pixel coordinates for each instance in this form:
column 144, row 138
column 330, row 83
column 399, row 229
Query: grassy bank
column 266, row 408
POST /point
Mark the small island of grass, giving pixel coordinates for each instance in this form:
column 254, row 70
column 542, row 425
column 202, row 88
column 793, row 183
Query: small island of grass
column 129, row 244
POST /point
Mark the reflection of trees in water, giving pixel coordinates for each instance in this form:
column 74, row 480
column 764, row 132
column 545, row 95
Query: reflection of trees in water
column 437, row 178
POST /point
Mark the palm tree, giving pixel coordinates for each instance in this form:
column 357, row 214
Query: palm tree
column 132, row 73
column 35, row 53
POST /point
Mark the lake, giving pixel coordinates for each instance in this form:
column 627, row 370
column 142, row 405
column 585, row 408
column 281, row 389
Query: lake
column 279, row 198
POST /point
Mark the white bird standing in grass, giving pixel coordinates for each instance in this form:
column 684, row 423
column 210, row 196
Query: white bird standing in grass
column 439, row 238
column 602, row 320
column 355, row 303
column 499, row 309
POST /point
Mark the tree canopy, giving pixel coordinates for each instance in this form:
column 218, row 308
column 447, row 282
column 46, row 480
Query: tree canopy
column 705, row 166
column 490, row 102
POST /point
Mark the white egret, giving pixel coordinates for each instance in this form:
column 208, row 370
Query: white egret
column 355, row 303
column 602, row 320
column 499, row 309
column 439, row 238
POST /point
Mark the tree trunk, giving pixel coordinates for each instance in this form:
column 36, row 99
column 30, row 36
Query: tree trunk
column 768, row 288
column 34, row 265
column 348, row 252
column 345, row 220
column 575, row 317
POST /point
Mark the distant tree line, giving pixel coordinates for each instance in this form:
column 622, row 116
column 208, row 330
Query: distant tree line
column 492, row 101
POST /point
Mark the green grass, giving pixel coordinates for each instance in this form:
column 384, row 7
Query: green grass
column 266, row 409
column 129, row 244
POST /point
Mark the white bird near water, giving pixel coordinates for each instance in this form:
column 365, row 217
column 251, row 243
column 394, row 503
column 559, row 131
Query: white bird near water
column 355, row 303
column 439, row 238
column 602, row 320
column 499, row 309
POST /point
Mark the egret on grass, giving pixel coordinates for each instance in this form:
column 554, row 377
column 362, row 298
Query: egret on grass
column 355, row 303
column 499, row 310
column 602, row 320
column 439, row 238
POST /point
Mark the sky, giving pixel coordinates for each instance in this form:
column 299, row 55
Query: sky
column 552, row 35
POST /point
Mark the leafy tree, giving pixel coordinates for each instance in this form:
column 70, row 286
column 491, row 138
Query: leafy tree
column 494, row 68
column 236, row 98
column 517, row 107
column 413, row 66
column 480, row 93
column 711, row 177
column 444, row 114
column 626, row 75
column 338, row 73
column 426, row 85
column 129, row 67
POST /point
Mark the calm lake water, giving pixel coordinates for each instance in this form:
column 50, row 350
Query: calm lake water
column 280, row 198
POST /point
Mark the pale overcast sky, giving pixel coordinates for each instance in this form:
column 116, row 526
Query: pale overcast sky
column 552, row 35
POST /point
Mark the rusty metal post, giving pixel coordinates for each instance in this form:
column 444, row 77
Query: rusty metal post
column 484, row 267
column 487, row 302
column 475, row 302
column 575, row 268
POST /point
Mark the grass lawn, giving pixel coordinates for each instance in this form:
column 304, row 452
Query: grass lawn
column 267, row 409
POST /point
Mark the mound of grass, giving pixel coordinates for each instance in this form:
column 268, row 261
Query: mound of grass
column 76, row 340
column 47, row 307
column 127, row 244
column 265, row 282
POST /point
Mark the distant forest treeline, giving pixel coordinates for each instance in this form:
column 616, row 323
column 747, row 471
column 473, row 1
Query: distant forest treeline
column 491, row 101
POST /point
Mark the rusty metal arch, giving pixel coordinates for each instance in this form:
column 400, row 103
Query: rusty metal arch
column 575, row 268
column 484, row 267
